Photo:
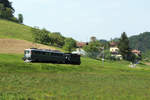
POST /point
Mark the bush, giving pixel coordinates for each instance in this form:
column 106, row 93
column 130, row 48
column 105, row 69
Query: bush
column 14, row 19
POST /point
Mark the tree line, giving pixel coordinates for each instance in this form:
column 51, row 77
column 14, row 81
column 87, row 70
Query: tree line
column 46, row 37
column 7, row 12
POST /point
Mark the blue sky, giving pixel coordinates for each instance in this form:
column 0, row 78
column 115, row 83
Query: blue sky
column 82, row 19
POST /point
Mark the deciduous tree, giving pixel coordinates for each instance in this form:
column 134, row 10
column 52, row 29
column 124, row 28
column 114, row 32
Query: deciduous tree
column 7, row 4
column 93, row 49
column 70, row 44
column 40, row 36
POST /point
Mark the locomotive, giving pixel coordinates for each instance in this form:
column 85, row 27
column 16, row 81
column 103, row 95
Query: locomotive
column 52, row 56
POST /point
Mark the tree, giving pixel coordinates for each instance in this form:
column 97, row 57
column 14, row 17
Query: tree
column 57, row 39
column 41, row 36
column 124, row 46
column 7, row 4
column 20, row 18
column 104, row 43
column 6, row 10
column 2, row 10
column 8, row 13
column 93, row 49
column 70, row 44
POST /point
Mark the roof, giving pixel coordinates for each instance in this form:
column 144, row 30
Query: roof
column 136, row 51
column 113, row 44
column 81, row 44
column 44, row 50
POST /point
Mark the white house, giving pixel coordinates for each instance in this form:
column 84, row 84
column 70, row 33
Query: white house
column 115, row 50
column 79, row 49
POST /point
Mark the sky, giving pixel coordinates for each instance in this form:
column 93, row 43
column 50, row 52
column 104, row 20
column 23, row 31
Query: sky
column 81, row 19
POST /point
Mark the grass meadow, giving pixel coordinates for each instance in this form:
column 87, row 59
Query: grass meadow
column 88, row 81
column 13, row 30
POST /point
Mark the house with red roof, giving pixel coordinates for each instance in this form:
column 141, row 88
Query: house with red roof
column 114, row 50
column 79, row 49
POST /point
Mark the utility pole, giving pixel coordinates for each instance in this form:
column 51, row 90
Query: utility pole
column 102, row 54
column 103, row 57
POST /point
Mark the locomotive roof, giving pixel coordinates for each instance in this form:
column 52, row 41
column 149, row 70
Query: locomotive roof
column 44, row 50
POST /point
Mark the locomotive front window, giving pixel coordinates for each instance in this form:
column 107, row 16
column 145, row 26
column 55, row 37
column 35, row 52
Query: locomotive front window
column 27, row 52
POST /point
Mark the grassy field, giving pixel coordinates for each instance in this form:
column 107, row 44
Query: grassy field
column 88, row 81
column 10, row 29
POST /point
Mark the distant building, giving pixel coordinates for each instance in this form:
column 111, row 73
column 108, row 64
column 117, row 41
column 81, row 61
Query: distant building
column 114, row 50
column 79, row 49
column 81, row 44
column 114, row 47
column 93, row 39
column 137, row 52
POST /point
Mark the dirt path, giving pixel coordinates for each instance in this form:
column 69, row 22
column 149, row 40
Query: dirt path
column 18, row 46
column 147, row 64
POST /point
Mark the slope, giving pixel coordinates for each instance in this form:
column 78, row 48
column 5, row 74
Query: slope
column 140, row 42
column 10, row 29
column 17, row 46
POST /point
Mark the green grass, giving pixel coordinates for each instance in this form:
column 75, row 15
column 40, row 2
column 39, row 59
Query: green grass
column 13, row 30
column 88, row 81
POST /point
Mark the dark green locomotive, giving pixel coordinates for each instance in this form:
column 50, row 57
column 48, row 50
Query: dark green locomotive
column 40, row 55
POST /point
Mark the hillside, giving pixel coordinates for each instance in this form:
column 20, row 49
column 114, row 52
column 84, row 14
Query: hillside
column 10, row 29
column 140, row 42
column 14, row 38
column 18, row 46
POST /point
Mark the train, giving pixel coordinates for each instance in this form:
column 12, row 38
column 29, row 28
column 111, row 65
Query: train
column 52, row 56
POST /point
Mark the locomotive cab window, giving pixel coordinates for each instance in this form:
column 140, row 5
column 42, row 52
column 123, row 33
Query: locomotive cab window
column 27, row 52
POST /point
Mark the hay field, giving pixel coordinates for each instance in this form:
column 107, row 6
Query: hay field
column 17, row 46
